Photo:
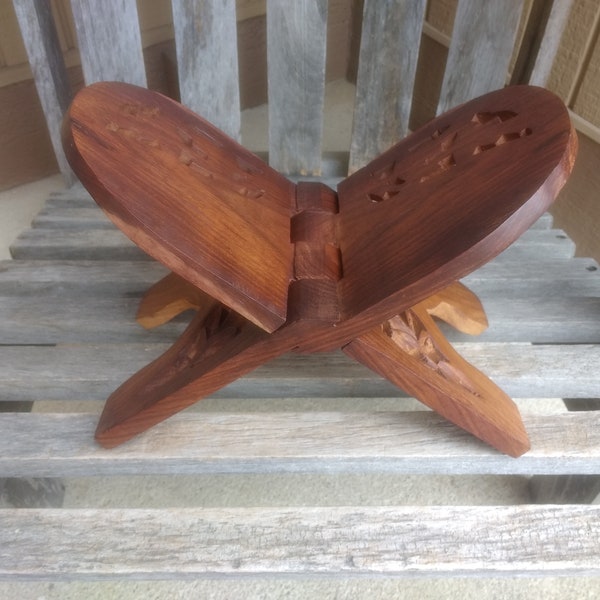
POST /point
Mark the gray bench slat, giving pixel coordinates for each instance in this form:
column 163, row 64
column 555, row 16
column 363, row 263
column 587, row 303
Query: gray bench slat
column 111, row 244
column 91, row 244
column 571, row 277
column 82, row 217
column 207, row 61
column 344, row 541
column 92, row 372
column 411, row 442
column 389, row 49
column 109, row 41
column 78, row 277
column 296, row 44
column 64, row 319
column 481, row 46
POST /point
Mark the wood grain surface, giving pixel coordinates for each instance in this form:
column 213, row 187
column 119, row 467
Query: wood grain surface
column 348, row 541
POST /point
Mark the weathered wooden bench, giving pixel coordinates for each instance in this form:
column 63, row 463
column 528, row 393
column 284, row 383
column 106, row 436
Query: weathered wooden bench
column 68, row 334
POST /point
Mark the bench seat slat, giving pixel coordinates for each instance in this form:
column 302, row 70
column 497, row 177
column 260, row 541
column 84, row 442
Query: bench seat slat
column 93, row 371
column 60, row 319
column 410, row 442
column 346, row 541
column 572, row 276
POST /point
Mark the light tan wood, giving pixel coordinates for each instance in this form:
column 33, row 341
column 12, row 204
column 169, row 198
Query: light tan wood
column 168, row 298
column 458, row 306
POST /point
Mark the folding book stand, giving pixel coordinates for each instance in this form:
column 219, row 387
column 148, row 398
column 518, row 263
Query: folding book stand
column 272, row 266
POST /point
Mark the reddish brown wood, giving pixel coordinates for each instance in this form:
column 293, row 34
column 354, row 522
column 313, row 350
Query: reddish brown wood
column 187, row 194
column 411, row 352
column 299, row 267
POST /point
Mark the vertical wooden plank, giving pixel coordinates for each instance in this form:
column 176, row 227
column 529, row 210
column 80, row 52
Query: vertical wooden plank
column 49, row 72
column 296, row 42
column 480, row 51
column 110, row 45
column 206, row 41
column 550, row 42
column 391, row 36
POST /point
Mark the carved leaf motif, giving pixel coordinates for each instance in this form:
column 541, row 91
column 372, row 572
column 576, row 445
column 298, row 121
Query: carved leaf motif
column 410, row 334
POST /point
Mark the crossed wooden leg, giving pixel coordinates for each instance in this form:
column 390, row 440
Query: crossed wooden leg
column 219, row 346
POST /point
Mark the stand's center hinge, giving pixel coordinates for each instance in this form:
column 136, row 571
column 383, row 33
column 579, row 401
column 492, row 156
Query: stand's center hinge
column 317, row 256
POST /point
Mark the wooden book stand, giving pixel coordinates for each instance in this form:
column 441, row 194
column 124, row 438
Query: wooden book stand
column 271, row 266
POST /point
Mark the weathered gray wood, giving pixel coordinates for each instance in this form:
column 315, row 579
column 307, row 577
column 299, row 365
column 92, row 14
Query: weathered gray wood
column 409, row 442
column 482, row 43
column 389, row 49
column 60, row 244
column 550, row 41
column 296, row 42
column 58, row 319
column 82, row 217
column 344, row 541
column 110, row 46
column 49, row 71
column 78, row 278
column 110, row 244
column 93, row 371
column 206, row 43
column 565, row 277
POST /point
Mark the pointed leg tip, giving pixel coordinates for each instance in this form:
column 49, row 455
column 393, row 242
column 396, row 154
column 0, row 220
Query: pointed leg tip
column 519, row 446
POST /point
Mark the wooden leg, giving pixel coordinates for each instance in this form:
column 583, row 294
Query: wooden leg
column 459, row 307
column 217, row 347
column 411, row 352
column 167, row 298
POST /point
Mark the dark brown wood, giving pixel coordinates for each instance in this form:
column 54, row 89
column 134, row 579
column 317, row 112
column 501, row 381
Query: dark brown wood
column 301, row 267
column 211, row 187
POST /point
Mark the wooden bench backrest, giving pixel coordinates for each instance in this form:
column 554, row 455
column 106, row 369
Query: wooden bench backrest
column 480, row 51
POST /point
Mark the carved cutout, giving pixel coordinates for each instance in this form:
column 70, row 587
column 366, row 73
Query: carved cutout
column 386, row 192
column 503, row 139
column 409, row 333
column 438, row 132
column 384, row 172
column 499, row 117
column 140, row 109
column 444, row 165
